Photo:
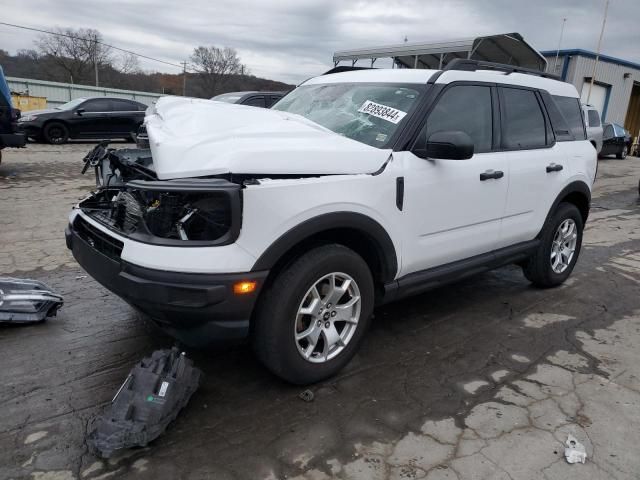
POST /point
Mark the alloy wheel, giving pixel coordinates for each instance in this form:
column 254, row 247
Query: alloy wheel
column 564, row 245
column 327, row 317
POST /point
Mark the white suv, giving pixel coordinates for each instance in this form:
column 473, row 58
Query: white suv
column 358, row 188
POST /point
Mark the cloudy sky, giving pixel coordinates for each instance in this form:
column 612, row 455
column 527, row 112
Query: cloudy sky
column 290, row 40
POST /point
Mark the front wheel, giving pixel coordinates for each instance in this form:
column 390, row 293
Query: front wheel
column 56, row 133
column 623, row 153
column 557, row 254
column 312, row 317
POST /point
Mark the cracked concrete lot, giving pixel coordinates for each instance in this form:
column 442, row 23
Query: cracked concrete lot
column 483, row 379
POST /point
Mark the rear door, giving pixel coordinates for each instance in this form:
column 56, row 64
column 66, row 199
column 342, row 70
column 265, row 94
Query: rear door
column 453, row 208
column 126, row 116
column 538, row 166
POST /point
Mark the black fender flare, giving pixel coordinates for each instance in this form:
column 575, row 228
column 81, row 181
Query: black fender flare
column 577, row 186
column 385, row 250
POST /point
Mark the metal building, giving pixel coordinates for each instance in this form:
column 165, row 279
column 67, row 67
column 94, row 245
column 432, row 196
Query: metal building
column 616, row 89
column 509, row 48
column 58, row 93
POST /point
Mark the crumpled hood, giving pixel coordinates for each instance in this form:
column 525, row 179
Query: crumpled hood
column 194, row 137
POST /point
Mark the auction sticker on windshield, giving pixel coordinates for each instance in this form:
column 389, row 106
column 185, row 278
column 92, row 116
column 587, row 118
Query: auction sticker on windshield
column 378, row 110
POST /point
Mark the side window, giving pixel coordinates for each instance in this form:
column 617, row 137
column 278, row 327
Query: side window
column 124, row 106
column 273, row 99
column 608, row 132
column 254, row 102
column 97, row 105
column 594, row 118
column 523, row 123
column 465, row 108
column 571, row 111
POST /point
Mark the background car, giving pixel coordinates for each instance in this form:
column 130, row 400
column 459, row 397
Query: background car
column 594, row 126
column 98, row 117
column 8, row 118
column 615, row 140
column 253, row 99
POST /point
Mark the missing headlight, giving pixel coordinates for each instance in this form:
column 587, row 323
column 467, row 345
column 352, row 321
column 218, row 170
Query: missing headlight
column 189, row 216
column 174, row 212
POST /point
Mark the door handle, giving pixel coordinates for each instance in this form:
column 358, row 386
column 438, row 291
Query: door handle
column 491, row 174
column 554, row 168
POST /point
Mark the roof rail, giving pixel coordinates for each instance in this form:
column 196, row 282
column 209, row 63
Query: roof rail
column 468, row 65
column 345, row 68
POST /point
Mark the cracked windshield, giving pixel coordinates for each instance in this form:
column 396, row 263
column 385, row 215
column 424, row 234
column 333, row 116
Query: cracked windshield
column 367, row 113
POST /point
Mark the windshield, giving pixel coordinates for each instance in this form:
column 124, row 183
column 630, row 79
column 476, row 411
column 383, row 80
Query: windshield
column 70, row 105
column 227, row 97
column 368, row 113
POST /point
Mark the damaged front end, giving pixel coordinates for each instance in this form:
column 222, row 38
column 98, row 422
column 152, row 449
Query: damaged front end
column 132, row 202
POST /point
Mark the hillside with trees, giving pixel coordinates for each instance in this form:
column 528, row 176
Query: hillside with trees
column 71, row 56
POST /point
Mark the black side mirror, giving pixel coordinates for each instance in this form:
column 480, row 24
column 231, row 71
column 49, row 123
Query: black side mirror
column 80, row 111
column 446, row 145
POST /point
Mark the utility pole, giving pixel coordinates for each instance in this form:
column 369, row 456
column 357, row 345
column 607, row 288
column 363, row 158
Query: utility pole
column 555, row 64
column 595, row 64
column 95, row 59
column 184, row 79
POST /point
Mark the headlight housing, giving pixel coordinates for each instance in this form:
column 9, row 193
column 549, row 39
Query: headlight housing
column 27, row 118
column 192, row 212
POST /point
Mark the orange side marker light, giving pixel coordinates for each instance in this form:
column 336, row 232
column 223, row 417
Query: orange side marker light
column 240, row 288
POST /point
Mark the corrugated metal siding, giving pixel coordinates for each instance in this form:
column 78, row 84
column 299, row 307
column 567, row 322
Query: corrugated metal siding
column 610, row 74
column 59, row 93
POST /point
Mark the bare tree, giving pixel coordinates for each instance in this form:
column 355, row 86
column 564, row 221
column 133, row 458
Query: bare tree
column 214, row 66
column 78, row 52
column 127, row 63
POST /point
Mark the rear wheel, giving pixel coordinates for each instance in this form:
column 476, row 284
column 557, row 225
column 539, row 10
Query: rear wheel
column 314, row 314
column 557, row 254
column 56, row 133
column 623, row 153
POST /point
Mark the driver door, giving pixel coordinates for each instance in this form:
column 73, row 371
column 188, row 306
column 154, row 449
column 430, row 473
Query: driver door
column 453, row 209
column 93, row 118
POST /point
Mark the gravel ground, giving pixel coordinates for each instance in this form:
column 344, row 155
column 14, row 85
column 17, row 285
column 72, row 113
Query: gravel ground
column 483, row 379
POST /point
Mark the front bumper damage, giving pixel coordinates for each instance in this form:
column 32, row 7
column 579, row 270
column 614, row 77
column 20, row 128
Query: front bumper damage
column 195, row 308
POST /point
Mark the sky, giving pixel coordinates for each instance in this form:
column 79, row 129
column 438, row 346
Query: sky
column 290, row 40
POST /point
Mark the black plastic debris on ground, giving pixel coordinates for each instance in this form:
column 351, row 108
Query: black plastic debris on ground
column 26, row 301
column 150, row 398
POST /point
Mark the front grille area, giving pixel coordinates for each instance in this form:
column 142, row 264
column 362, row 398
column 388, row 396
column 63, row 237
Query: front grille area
column 97, row 239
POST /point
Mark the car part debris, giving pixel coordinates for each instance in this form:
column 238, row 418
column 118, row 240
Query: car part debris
column 306, row 396
column 26, row 301
column 574, row 451
column 152, row 395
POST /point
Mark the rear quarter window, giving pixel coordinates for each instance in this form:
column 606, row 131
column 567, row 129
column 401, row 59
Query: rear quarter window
column 572, row 113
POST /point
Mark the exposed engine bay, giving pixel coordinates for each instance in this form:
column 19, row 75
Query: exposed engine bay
column 131, row 201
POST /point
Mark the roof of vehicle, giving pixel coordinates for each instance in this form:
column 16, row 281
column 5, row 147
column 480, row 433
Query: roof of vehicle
column 108, row 98
column 422, row 76
column 251, row 92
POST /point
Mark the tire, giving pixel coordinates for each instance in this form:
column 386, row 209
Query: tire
column 278, row 322
column 56, row 133
column 539, row 269
column 623, row 153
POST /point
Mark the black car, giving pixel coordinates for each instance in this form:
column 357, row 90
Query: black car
column 615, row 140
column 253, row 99
column 98, row 117
column 9, row 137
